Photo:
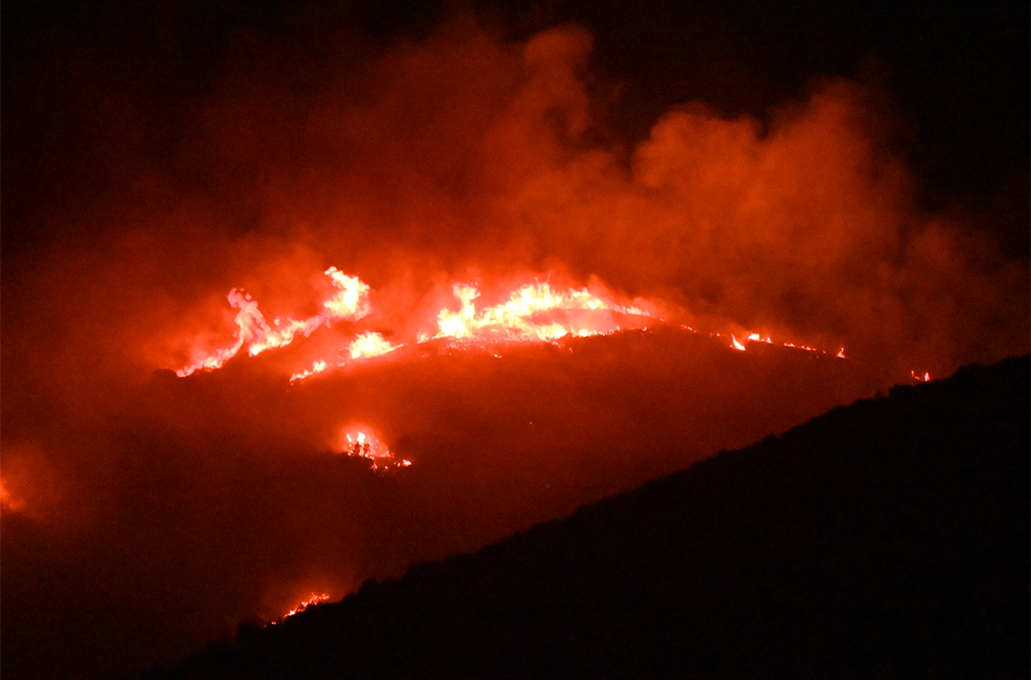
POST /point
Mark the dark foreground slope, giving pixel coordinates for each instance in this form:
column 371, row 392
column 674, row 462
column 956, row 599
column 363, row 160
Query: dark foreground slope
column 886, row 539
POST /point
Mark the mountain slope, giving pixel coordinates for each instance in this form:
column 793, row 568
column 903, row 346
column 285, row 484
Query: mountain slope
column 889, row 538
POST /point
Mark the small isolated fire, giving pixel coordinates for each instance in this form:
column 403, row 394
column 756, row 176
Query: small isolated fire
column 356, row 443
column 304, row 604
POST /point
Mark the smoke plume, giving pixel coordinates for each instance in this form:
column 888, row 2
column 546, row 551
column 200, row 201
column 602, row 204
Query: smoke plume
column 145, row 514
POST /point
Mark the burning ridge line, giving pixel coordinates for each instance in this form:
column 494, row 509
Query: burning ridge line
column 516, row 320
column 303, row 605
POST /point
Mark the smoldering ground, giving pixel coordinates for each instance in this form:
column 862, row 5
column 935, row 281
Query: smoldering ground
column 147, row 514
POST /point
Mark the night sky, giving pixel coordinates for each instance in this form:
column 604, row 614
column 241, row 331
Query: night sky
column 844, row 175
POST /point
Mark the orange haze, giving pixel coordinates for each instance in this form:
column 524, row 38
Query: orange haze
column 191, row 504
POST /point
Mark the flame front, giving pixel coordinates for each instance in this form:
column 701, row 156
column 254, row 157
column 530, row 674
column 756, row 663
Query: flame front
column 350, row 303
column 304, row 604
column 519, row 317
column 535, row 312
column 528, row 315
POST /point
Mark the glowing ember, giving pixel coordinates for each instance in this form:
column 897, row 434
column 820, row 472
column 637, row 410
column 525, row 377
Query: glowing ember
column 926, row 377
column 304, row 604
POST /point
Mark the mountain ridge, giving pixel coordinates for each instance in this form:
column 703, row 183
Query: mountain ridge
column 889, row 537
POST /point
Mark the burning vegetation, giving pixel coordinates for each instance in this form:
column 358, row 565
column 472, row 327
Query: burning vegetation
column 466, row 295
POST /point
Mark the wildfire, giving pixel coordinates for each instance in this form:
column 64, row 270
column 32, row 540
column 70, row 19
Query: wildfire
column 357, row 443
column 350, row 302
column 527, row 315
column 304, row 604
column 742, row 346
column 369, row 345
column 535, row 312
column 316, row 367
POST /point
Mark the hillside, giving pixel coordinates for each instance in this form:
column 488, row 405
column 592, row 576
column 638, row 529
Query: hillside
column 889, row 538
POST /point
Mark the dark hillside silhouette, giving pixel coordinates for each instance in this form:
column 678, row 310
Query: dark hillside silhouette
column 885, row 539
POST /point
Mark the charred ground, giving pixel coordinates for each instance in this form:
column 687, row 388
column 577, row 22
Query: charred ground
column 889, row 537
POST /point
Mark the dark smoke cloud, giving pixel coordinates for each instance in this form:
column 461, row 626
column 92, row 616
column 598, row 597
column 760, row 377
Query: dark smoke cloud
column 150, row 514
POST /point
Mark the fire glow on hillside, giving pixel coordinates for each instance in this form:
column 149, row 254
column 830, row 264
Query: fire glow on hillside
column 474, row 282
column 302, row 606
column 534, row 312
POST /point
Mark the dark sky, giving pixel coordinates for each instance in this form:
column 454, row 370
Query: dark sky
column 956, row 76
column 833, row 174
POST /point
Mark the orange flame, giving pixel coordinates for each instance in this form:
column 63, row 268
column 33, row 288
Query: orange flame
column 304, row 604
column 524, row 317
column 520, row 317
column 369, row 345
column 252, row 330
column 534, row 312
column 316, row 367
column 357, row 443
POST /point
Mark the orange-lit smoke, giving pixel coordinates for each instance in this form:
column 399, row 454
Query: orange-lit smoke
column 464, row 156
column 455, row 159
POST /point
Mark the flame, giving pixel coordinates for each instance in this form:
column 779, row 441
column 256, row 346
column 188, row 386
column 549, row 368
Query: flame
column 756, row 337
column 369, row 345
column 358, row 443
column 317, row 367
column 351, row 302
column 524, row 317
column 304, row 604
column 520, row 317
column 535, row 312
column 926, row 377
